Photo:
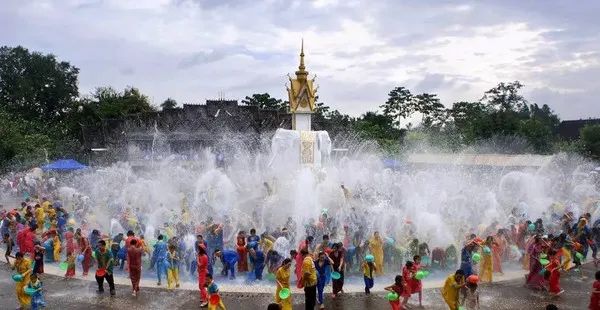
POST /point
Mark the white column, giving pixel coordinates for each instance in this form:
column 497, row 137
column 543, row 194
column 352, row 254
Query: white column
column 301, row 121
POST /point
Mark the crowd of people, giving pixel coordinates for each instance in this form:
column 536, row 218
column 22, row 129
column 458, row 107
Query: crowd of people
column 42, row 230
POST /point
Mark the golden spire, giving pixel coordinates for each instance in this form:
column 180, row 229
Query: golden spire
column 301, row 68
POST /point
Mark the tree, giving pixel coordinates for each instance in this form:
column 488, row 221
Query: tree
column 264, row 101
column 432, row 110
column 35, row 86
column 590, row 135
column 506, row 97
column 400, row 104
column 472, row 120
column 379, row 127
column 110, row 103
column 168, row 104
column 538, row 134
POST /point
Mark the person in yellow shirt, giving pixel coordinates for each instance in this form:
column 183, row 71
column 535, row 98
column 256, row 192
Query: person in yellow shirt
column 56, row 247
column 282, row 277
column 22, row 266
column 369, row 267
column 40, row 217
column 486, row 269
column 309, row 279
column 376, row 248
column 451, row 289
column 266, row 243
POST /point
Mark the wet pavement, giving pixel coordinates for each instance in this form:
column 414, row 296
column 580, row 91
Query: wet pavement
column 81, row 294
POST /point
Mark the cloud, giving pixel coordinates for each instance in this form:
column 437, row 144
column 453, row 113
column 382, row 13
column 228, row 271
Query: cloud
column 193, row 49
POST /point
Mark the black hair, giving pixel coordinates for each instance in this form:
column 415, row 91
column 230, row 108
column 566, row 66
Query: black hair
column 286, row 261
column 130, row 233
column 551, row 307
column 597, row 275
column 273, row 306
column 102, row 242
column 160, row 237
column 325, row 237
column 459, row 272
column 209, row 275
column 252, row 231
column 133, row 242
column 409, row 264
column 398, row 280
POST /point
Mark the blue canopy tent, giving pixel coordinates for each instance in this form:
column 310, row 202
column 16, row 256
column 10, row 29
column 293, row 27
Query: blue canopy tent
column 64, row 165
column 393, row 164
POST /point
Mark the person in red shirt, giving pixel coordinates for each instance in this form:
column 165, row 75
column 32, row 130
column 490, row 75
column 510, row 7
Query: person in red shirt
column 416, row 287
column 134, row 261
column 397, row 288
column 595, row 297
column 553, row 274
column 26, row 240
column 202, row 261
column 130, row 237
column 407, row 275
column 69, row 235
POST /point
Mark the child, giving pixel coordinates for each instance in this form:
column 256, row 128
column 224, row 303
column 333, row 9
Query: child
column 37, row 299
column 595, row 297
column 397, row 288
column 9, row 246
column 408, row 276
column 173, row 269
column 70, row 266
column 470, row 297
column 369, row 267
column 39, row 251
column 215, row 301
column 553, row 274
column 415, row 284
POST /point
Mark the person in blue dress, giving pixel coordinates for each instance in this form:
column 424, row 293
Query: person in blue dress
column 466, row 259
column 37, row 298
column 323, row 265
column 160, row 255
column 257, row 258
column 229, row 258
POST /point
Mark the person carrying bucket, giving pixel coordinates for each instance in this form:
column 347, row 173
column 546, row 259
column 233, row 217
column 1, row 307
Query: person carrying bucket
column 214, row 299
column 395, row 291
column 105, row 268
column 322, row 264
column 22, row 266
column 451, row 289
column 282, row 278
column 369, row 267
column 337, row 256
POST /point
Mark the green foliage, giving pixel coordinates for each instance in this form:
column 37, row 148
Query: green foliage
column 265, row 101
column 590, row 136
column 379, row 128
column 168, row 104
column 505, row 97
column 433, row 113
column 400, row 104
column 37, row 87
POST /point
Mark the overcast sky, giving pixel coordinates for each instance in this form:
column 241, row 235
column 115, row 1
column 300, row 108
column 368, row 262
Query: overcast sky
column 193, row 50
